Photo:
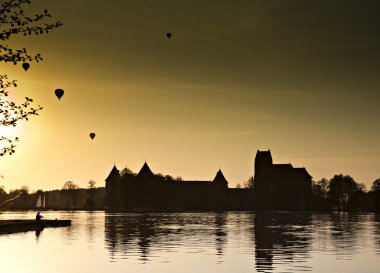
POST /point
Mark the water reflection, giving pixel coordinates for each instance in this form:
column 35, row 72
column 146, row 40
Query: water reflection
column 38, row 233
column 281, row 239
column 345, row 231
column 277, row 238
column 191, row 242
column 376, row 223
column 127, row 235
column 285, row 242
column 220, row 233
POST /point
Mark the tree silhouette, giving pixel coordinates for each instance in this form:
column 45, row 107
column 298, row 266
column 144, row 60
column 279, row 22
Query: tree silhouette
column 376, row 185
column 320, row 188
column 91, row 184
column 89, row 204
column 13, row 21
column 69, row 190
column 376, row 194
column 126, row 171
column 250, row 183
column 341, row 189
column 3, row 195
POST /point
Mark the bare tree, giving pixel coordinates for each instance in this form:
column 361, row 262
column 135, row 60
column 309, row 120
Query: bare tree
column 250, row 183
column 91, row 187
column 69, row 185
column 89, row 204
column 70, row 191
column 91, row 184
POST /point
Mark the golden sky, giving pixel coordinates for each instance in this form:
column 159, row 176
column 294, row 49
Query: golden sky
column 298, row 77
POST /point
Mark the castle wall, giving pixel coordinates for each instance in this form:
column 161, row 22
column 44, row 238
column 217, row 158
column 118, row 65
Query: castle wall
column 277, row 187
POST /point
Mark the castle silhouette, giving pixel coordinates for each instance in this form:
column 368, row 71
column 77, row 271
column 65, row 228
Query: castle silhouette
column 276, row 187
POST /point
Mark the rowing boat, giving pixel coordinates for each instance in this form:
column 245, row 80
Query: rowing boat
column 10, row 226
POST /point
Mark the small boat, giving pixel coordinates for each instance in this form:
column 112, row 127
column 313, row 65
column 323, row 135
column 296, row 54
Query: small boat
column 11, row 226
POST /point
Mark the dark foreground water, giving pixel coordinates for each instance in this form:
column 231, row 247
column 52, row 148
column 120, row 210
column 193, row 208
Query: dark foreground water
column 195, row 242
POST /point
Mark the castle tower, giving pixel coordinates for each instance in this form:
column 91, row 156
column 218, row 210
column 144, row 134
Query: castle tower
column 263, row 162
column 220, row 179
column 112, row 189
column 145, row 171
column 114, row 172
column 280, row 186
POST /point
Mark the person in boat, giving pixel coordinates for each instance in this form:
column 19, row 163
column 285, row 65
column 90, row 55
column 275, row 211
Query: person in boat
column 39, row 216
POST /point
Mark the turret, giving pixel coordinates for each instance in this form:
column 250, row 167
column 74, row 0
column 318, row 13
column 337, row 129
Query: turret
column 145, row 171
column 220, row 179
column 112, row 190
column 114, row 172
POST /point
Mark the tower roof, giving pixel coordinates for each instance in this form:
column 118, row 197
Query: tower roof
column 303, row 171
column 113, row 172
column 264, row 157
column 219, row 178
column 145, row 171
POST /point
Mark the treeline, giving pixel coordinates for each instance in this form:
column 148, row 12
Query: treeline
column 69, row 197
column 340, row 193
column 343, row 193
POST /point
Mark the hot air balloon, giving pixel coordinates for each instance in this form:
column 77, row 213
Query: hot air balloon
column 59, row 93
column 25, row 66
column 168, row 35
column 92, row 135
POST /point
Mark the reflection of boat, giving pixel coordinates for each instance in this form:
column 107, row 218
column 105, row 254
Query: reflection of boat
column 10, row 226
column 41, row 202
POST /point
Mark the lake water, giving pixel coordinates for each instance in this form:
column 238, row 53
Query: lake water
column 195, row 242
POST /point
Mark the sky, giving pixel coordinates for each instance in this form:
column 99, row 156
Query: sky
column 300, row 78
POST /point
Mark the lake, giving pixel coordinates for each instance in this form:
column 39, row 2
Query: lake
column 195, row 242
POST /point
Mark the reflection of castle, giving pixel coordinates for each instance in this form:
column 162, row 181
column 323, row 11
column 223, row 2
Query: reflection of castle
column 281, row 238
column 276, row 187
column 150, row 235
column 281, row 241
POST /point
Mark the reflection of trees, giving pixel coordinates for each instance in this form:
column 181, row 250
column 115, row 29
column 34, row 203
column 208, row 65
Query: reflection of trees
column 90, row 224
column 279, row 238
column 376, row 222
column 345, row 228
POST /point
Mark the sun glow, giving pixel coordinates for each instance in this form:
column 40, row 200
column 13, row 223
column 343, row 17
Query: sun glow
column 7, row 133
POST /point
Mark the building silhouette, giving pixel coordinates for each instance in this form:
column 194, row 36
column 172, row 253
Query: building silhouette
column 280, row 186
column 277, row 187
